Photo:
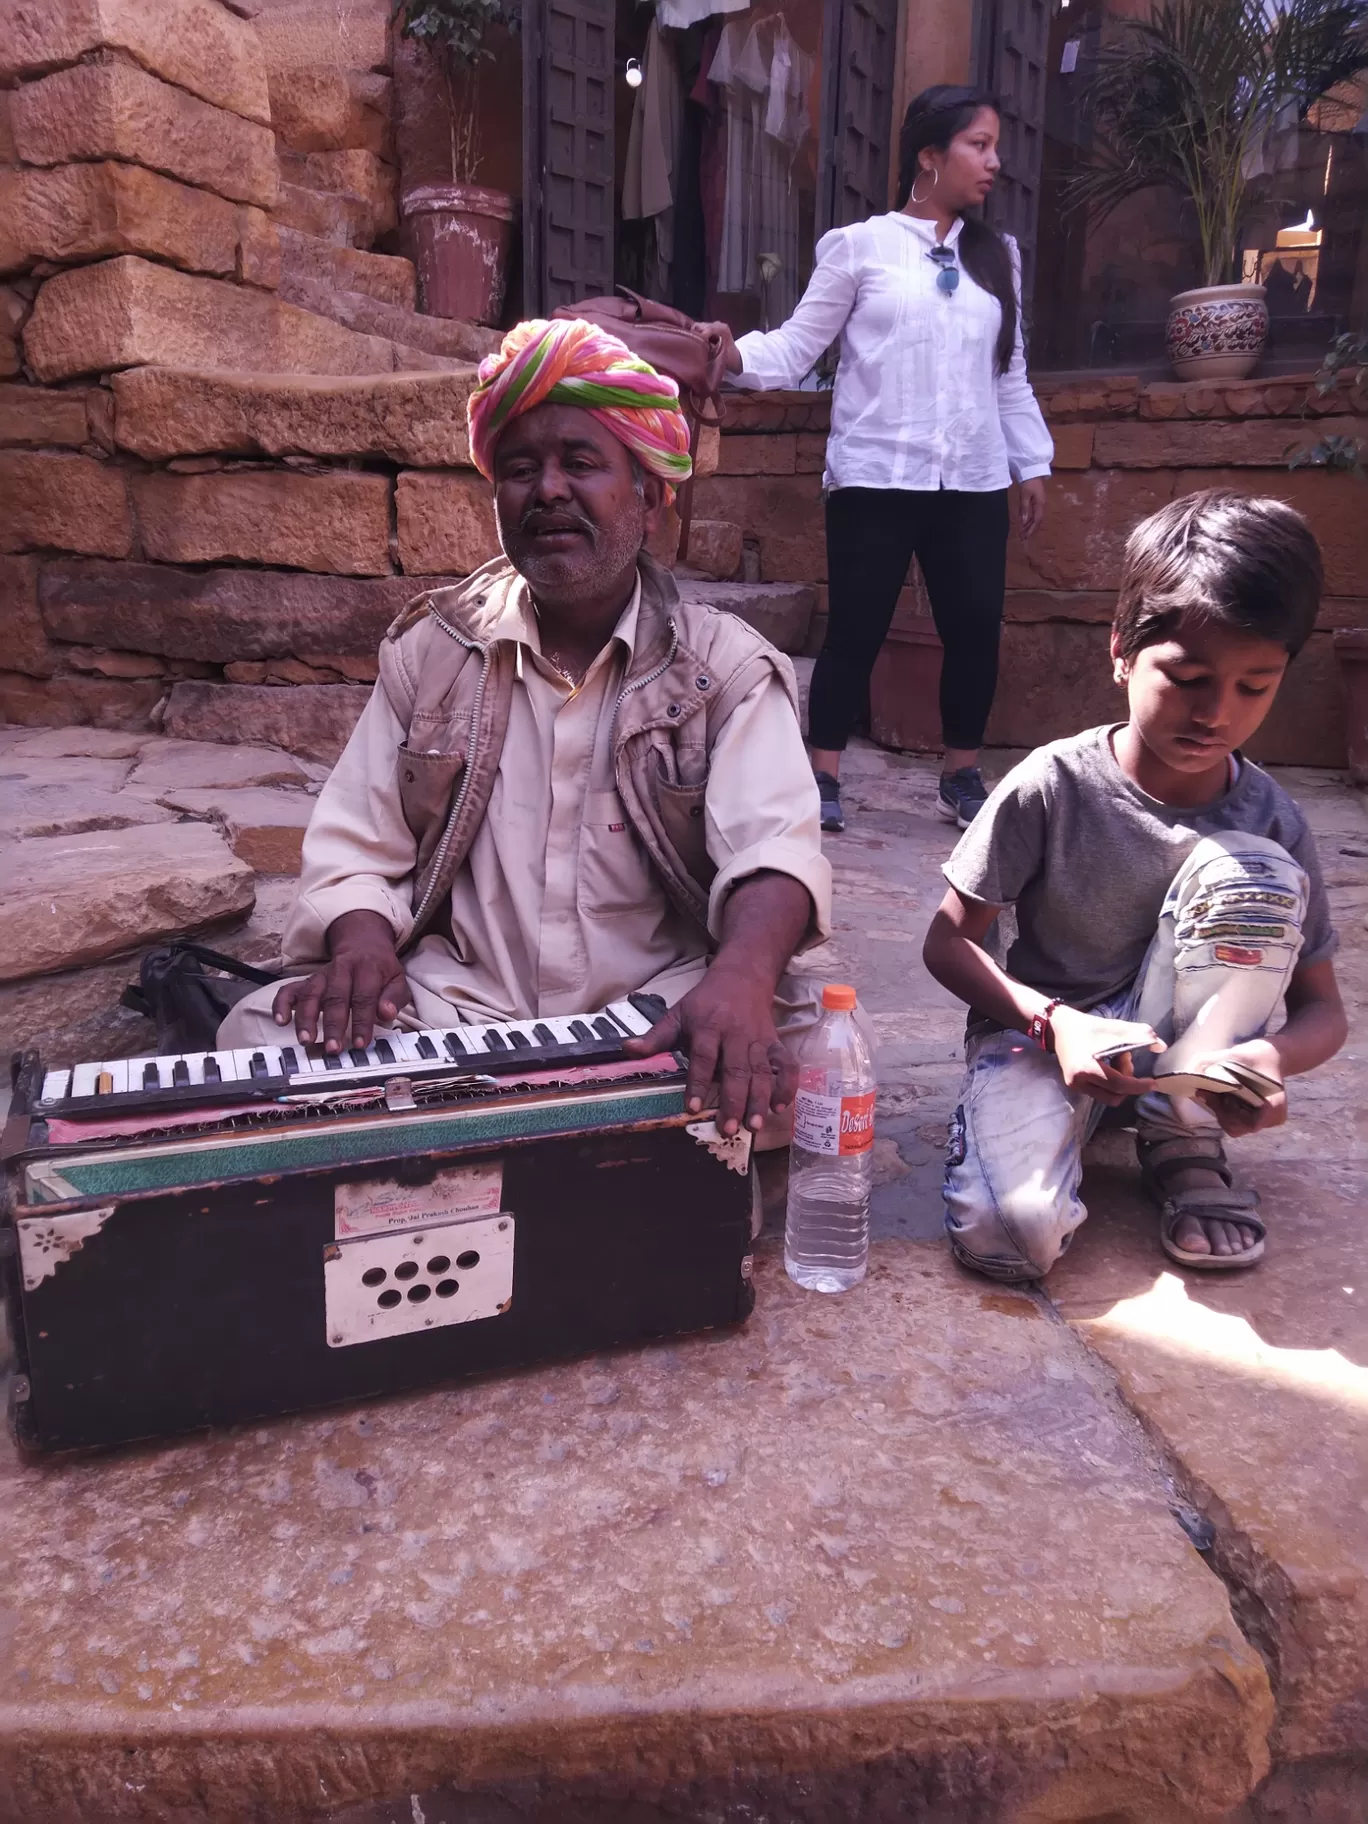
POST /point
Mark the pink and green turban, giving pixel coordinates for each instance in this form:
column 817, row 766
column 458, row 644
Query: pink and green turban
column 570, row 362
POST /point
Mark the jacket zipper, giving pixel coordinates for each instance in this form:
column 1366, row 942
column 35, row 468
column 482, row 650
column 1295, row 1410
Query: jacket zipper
column 650, row 676
column 486, row 661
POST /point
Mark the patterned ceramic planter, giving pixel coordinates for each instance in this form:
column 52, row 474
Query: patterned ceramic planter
column 1217, row 332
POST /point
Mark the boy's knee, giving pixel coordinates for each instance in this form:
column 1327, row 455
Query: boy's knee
column 1016, row 1236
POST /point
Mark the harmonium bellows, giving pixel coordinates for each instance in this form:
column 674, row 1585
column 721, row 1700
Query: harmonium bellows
column 214, row 1238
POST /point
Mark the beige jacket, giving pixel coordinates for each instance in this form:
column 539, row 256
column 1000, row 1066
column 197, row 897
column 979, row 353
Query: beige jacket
column 452, row 690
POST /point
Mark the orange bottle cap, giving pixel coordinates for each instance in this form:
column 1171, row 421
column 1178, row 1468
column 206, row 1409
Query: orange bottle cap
column 839, row 996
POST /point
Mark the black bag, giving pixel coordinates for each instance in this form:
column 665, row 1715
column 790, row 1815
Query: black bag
column 187, row 1005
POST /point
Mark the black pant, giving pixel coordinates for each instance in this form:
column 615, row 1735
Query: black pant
column 960, row 542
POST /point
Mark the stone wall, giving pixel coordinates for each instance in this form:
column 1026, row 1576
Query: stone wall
column 1122, row 449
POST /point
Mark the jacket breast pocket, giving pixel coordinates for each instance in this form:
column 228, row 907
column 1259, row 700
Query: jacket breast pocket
column 615, row 872
column 426, row 784
column 683, row 818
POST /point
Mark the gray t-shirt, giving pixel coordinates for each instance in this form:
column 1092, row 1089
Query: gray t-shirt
column 1086, row 859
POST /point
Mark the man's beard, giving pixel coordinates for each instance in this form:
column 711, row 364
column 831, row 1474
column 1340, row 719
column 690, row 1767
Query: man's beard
column 586, row 571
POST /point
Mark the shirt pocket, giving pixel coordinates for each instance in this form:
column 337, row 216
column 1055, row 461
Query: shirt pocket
column 426, row 784
column 615, row 872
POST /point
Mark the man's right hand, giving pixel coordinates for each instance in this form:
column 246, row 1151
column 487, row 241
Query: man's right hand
column 1080, row 1039
column 364, row 979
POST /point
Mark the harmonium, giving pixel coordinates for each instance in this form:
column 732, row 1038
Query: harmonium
column 205, row 1240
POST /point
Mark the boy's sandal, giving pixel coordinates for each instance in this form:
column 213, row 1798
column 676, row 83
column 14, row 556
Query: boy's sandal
column 1158, row 1160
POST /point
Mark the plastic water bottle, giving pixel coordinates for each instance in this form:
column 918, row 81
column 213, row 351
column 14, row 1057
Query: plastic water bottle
column 831, row 1162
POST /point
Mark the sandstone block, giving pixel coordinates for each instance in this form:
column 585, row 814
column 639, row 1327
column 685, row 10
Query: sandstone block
column 114, row 664
column 40, row 418
column 715, row 547
column 59, row 701
column 66, row 503
column 780, row 611
column 335, row 34
column 1073, row 445
column 9, row 152
column 446, row 523
column 264, row 828
column 415, row 419
column 346, row 221
column 75, row 1015
column 26, row 646
column 73, row 899
column 196, row 44
column 323, row 110
column 221, row 615
column 348, row 173
column 783, row 514
column 258, row 248
column 130, row 313
column 1080, row 546
column 1185, row 443
column 1333, row 504
column 377, row 275
column 85, row 212
column 10, row 361
column 759, row 455
column 810, row 458
column 114, row 110
column 32, row 807
column 709, row 450
column 207, row 766
column 336, row 523
column 313, row 720
column 447, row 336
column 804, row 1634
column 81, row 744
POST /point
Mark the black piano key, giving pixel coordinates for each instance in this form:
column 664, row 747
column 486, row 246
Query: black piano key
column 212, row 1073
column 544, row 1035
column 519, row 1040
column 151, row 1080
column 384, row 1051
column 331, row 1061
column 605, row 1028
column 426, row 1048
column 360, row 1057
column 455, row 1049
column 289, row 1062
column 256, row 1064
column 495, row 1040
column 581, row 1032
column 180, row 1071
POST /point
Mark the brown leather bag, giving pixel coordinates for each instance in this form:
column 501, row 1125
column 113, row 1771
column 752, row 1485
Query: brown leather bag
column 692, row 354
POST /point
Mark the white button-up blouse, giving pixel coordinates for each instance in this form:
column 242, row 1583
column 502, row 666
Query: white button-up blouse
column 918, row 403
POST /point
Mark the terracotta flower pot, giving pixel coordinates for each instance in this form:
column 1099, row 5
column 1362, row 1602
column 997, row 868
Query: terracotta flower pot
column 460, row 236
column 1217, row 332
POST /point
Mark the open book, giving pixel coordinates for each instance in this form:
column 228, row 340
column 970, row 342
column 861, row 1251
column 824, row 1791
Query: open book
column 1230, row 1079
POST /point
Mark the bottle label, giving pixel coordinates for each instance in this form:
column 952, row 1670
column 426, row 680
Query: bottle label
column 833, row 1124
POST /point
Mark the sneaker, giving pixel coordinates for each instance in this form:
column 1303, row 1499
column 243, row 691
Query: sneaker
column 962, row 796
column 833, row 817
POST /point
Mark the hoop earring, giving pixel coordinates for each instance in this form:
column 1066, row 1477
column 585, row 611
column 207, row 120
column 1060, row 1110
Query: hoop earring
column 912, row 194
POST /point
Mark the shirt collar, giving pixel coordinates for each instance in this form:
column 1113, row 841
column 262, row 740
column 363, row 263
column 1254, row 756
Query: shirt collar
column 926, row 231
column 519, row 623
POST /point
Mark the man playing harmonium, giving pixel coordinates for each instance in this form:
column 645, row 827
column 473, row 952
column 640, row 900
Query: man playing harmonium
column 568, row 785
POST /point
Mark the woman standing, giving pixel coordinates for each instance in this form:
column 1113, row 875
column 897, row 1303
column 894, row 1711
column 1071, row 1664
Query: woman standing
column 932, row 418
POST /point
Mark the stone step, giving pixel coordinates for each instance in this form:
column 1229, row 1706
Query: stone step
column 447, row 337
column 331, row 215
column 130, row 312
column 922, row 1569
column 781, row 611
column 313, row 259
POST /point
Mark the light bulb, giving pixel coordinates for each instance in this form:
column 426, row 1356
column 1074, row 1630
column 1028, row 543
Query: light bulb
column 633, row 73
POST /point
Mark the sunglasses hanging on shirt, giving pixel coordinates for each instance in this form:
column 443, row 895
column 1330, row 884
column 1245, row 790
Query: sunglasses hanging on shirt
column 948, row 278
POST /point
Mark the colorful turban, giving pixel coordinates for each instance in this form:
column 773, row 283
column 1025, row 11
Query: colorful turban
column 570, row 362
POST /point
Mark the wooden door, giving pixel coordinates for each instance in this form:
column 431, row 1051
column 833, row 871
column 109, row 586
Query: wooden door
column 1014, row 38
column 567, row 152
column 858, row 64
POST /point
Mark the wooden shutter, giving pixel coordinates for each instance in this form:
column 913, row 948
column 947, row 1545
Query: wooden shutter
column 567, row 151
column 1014, row 38
column 858, row 65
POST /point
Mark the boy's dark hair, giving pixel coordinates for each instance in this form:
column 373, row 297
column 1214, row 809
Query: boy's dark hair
column 1248, row 564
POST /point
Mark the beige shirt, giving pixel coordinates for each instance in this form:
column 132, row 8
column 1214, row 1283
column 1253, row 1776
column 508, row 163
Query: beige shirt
column 557, row 909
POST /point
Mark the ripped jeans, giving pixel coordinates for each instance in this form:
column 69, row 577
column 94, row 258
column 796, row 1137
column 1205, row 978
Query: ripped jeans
column 1229, row 937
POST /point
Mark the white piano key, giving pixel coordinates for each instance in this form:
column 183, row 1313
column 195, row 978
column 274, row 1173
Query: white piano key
column 228, row 1071
column 137, row 1071
column 471, row 1037
column 242, row 1061
column 117, row 1072
column 627, row 1015
column 406, row 1047
column 525, row 1028
column 83, row 1079
column 56, row 1085
column 561, row 1027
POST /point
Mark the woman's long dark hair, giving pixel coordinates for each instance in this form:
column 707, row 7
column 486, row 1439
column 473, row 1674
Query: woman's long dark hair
column 932, row 119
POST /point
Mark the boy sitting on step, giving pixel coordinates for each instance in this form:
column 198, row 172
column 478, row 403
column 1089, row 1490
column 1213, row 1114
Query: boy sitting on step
column 1168, row 901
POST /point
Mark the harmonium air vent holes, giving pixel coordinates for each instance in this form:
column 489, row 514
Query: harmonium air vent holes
column 439, row 1268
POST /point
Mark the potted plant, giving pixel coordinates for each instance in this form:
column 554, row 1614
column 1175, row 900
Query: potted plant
column 459, row 231
column 1190, row 100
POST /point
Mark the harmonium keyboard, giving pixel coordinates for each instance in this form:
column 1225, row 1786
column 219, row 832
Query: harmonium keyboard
column 213, row 1238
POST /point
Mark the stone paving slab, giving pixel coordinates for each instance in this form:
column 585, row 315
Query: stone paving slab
column 898, row 1542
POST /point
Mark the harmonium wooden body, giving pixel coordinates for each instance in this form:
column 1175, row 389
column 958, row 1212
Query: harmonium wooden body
column 203, row 1241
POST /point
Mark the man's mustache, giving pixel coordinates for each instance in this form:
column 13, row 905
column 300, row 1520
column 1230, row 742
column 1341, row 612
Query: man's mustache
column 536, row 520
